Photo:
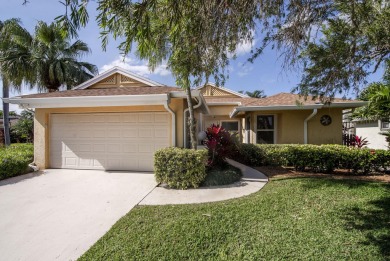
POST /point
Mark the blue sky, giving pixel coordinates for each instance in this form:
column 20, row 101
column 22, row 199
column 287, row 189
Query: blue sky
column 264, row 74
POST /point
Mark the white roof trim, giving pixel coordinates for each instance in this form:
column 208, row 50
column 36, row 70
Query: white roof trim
column 112, row 71
column 224, row 89
column 235, row 111
column 90, row 101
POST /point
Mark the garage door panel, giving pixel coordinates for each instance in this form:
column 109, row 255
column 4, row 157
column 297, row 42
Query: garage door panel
column 112, row 141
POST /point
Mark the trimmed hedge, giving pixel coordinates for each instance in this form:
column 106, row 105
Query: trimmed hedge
column 180, row 168
column 323, row 158
column 14, row 160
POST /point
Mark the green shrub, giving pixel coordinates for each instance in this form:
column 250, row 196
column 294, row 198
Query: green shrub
column 217, row 176
column 324, row 158
column 274, row 154
column 14, row 160
column 250, row 154
column 180, row 168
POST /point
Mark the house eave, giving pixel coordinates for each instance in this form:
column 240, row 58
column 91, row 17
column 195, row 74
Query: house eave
column 90, row 101
column 272, row 108
column 345, row 105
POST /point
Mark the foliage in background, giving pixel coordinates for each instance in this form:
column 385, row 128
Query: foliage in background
column 353, row 43
column 11, row 113
column 14, row 160
column 337, row 42
column 378, row 97
column 387, row 135
column 180, row 168
column 23, row 130
column 19, row 72
column 255, row 94
column 220, row 145
column 323, row 158
column 47, row 59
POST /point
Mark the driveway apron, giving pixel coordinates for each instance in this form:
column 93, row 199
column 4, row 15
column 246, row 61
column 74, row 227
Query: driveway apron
column 58, row 214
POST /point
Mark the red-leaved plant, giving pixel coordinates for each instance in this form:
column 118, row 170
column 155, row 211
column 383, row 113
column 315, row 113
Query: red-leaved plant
column 220, row 144
column 359, row 142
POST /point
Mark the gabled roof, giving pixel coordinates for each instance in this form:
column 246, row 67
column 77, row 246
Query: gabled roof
column 113, row 71
column 289, row 101
column 223, row 89
column 283, row 98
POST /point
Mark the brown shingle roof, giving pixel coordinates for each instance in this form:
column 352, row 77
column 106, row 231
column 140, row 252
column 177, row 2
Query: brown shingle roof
column 280, row 99
column 110, row 91
column 287, row 99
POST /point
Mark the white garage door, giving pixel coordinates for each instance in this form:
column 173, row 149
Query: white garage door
column 111, row 141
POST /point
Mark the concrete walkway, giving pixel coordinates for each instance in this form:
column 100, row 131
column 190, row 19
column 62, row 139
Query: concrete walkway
column 251, row 182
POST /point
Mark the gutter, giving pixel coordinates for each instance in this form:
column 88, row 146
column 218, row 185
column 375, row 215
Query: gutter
column 89, row 101
column 235, row 111
column 305, row 125
column 173, row 122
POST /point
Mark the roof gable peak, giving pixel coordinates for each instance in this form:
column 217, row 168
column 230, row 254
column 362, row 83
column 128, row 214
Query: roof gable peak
column 114, row 70
column 223, row 89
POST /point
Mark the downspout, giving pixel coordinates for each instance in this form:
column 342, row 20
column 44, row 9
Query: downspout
column 166, row 106
column 305, row 125
column 185, row 121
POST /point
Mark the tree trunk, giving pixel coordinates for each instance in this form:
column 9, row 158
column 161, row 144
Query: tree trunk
column 191, row 120
column 7, row 139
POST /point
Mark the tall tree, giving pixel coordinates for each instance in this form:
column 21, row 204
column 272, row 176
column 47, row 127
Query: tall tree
column 338, row 42
column 46, row 59
column 56, row 59
column 13, row 39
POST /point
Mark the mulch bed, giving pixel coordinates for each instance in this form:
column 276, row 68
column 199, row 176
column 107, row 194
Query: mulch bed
column 282, row 172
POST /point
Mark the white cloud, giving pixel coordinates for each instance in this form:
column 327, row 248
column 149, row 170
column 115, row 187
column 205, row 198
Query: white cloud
column 136, row 66
column 244, row 69
column 245, row 47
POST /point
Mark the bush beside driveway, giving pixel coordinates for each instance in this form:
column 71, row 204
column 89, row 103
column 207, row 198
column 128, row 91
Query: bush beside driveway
column 14, row 159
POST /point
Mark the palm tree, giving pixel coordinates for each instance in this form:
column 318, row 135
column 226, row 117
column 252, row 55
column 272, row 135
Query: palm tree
column 14, row 64
column 57, row 60
column 46, row 59
column 255, row 94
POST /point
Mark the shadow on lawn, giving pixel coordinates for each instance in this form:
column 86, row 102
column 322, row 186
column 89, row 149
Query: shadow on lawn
column 374, row 222
column 317, row 182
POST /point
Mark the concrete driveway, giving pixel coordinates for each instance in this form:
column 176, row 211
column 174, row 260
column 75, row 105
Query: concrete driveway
column 59, row 214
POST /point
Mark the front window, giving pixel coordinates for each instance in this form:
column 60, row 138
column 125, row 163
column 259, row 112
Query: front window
column 230, row 126
column 265, row 129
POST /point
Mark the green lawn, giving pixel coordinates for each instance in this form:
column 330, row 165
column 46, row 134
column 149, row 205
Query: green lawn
column 289, row 219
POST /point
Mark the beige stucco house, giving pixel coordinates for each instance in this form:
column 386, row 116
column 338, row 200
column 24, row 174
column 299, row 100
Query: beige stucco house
column 117, row 120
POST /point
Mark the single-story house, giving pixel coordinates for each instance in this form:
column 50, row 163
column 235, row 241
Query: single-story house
column 118, row 119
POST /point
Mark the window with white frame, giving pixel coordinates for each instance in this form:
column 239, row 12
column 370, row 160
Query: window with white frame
column 385, row 125
column 265, row 129
column 230, row 126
